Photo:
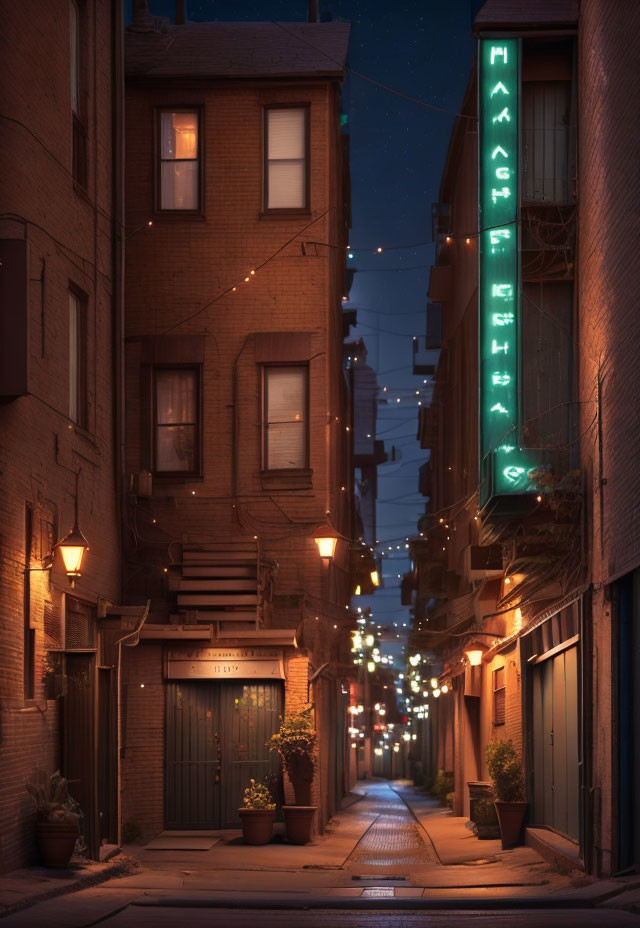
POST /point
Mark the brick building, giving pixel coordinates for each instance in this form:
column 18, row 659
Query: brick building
column 608, row 280
column 59, row 316
column 499, row 565
column 540, row 579
column 238, row 431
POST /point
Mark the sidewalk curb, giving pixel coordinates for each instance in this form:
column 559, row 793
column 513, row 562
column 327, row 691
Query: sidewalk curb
column 114, row 868
column 439, row 903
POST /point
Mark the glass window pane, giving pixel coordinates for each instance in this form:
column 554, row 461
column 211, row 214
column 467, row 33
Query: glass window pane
column 286, row 417
column 286, row 131
column 73, row 357
column 176, row 448
column 73, row 39
column 286, row 445
column 286, row 394
column 179, row 135
column 286, row 185
column 179, row 185
column 176, row 396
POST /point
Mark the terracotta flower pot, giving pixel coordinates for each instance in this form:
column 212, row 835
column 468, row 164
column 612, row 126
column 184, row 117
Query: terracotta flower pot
column 56, row 841
column 257, row 825
column 298, row 821
column 511, row 817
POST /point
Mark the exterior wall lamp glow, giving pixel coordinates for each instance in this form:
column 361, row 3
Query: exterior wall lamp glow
column 474, row 656
column 375, row 578
column 326, row 547
column 73, row 545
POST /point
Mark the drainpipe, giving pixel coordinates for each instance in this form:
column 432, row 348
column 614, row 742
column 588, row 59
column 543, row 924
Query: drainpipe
column 131, row 640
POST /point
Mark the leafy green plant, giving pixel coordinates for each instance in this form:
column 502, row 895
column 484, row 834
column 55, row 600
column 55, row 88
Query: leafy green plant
column 295, row 742
column 505, row 769
column 443, row 785
column 257, row 796
column 52, row 800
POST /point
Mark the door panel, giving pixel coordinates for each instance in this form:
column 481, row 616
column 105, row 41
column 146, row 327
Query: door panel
column 193, row 755
column 556, row 743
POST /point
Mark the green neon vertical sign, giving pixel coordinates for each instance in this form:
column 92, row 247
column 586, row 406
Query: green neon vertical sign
column 499, row 268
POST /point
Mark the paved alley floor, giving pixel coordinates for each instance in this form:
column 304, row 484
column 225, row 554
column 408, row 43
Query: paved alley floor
column 394, row 848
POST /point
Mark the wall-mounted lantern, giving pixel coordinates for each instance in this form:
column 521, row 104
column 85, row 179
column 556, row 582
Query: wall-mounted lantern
column 326, row 547
column 73, row 545
column 474, row 656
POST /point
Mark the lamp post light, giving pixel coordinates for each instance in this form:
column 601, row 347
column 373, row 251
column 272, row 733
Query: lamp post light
column 326, row 547
column 73, row 545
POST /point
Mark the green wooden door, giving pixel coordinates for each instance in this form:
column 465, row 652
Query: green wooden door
column 215, row 743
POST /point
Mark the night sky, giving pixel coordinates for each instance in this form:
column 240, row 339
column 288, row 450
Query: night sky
column 423, row 49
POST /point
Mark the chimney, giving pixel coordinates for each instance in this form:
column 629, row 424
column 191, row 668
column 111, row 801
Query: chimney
column 313, row 11
column 141, row 18
column 181, row 12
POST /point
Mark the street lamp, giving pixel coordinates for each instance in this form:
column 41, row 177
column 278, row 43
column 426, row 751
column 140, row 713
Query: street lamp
column 326, row 547
column 73, row 545
column 474, row 656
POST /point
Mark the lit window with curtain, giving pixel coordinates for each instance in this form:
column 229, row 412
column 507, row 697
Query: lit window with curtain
column 286, row 158
column 179, row 160
column 176, row 421
column 286, row 424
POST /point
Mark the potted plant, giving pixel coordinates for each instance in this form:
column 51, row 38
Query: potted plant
column 505, row 769
column 57, row 821
column 258, row 814
column 295, row 742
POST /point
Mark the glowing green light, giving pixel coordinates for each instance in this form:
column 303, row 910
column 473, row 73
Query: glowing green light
column 503, row 463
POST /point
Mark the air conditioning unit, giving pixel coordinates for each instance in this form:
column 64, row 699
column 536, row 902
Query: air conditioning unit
column 482, row 562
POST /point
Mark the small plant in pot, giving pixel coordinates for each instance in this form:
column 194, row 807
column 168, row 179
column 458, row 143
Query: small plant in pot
column 57, row 819
column 295, row 742
column 505, row 769
column 258, row 814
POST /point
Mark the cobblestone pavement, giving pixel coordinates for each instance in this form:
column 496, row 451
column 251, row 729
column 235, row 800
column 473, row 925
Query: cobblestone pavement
column 394, row 841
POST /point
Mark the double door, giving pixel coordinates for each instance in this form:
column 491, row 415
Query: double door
column 215, row 743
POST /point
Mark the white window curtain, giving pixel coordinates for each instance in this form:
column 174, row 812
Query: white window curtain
column 286, row 439
column 286, row 158
column 179, row 160
column 176, row 421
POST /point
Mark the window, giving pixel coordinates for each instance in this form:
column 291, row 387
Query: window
column 499, row 693
column 78, row 404
column 546, row 140
column 286, row 424
column 286, row 158
column 79, row 157
column 179, row 160
column 28, row 653
column 177, row 428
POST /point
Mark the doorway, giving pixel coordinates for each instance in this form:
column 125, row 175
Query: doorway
column 215, row 743
column 556, row 778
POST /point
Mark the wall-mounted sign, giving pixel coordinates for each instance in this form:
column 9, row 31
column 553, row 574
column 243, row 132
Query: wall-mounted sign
column 503, row 464
column 224, row 663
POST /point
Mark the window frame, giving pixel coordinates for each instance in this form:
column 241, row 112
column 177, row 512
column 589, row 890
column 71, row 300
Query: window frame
column 266, row 367
column 495, row 691
column 159, row 210
column 77, row 103
column 81, row 417
column 286, row 210
column 177, row 474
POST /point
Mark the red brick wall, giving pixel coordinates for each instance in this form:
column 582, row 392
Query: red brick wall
column 174, row 268
column 609, row 325
column 69, row 239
